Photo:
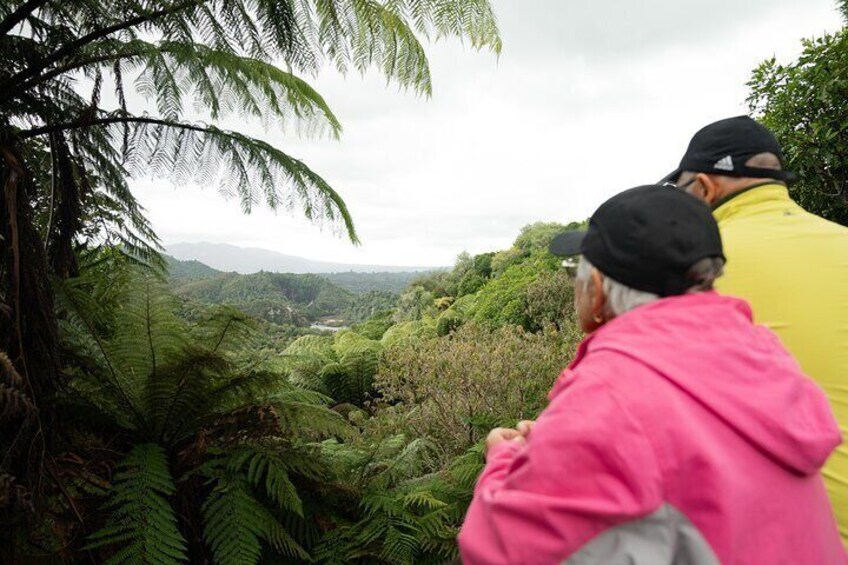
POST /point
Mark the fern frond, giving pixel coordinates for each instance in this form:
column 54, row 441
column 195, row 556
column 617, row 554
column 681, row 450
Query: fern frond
column 399, row 546
column 268, row 470
column 423, row 499
column 351, row 379
column 142, row 522
column 235, row 523
column 181, row 392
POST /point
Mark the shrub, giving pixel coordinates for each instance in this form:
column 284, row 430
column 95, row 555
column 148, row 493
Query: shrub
column 453, row 390
column 448, row 322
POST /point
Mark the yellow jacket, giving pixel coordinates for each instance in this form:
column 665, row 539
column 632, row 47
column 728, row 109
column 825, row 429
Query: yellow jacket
column 792, row 266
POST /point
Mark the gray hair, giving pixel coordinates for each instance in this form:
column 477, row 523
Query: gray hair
column 621, row 298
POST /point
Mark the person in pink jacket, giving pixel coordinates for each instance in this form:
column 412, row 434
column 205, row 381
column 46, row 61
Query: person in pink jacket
column 681, row 433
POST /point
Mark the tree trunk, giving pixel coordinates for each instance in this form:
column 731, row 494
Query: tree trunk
column 28, row 327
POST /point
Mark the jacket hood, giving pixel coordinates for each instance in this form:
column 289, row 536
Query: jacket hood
column 708, row 346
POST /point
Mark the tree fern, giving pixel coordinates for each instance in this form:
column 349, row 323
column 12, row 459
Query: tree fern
column 240, row 428
column 218, row 58
column 305, row 358
column 143, row 525
column 351, row 378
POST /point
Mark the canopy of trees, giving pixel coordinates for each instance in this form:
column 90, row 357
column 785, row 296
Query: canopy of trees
column 803, row 103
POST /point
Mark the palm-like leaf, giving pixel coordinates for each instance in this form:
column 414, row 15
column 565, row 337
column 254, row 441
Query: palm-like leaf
column 236, row 524
column 142, row 520
column 219, row 58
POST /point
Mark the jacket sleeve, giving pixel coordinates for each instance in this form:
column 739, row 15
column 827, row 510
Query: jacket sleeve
column 587, row 466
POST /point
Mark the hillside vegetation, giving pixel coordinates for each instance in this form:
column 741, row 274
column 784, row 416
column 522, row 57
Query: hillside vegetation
column 275, row 297
column 360, row 446
column 290, row 299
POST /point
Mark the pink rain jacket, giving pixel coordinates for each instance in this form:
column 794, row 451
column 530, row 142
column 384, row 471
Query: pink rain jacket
column 681, row 433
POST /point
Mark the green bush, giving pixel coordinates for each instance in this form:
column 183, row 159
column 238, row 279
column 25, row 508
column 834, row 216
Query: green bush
column 504, row 300
column 375, row 326
column 803, row 103
column 454, row 389
column 448, row 322
column 409, row 332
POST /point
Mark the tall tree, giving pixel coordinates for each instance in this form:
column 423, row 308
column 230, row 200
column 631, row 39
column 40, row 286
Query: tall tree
column 71, row 134
column 803, row 102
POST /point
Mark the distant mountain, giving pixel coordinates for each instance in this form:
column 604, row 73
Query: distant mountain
column 225, row 257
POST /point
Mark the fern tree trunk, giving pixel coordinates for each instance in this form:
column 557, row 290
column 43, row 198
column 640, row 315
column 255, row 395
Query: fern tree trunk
column 189, row 500
column 28, row 326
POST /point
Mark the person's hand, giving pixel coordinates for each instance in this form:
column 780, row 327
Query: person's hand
column 524, row 427
column 500, row 435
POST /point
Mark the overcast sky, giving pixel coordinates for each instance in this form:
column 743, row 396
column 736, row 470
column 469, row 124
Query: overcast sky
column 586, row 99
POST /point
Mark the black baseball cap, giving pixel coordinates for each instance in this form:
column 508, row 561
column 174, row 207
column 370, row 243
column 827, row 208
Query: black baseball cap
column 647, row 238
column 723, row 148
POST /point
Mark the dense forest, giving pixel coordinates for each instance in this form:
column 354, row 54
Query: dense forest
column 291, row 299
column 196, row 418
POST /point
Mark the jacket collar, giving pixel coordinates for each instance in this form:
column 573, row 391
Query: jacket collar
column 735, row 203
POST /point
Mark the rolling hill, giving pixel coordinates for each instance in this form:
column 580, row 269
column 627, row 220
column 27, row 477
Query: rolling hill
column 288, row 298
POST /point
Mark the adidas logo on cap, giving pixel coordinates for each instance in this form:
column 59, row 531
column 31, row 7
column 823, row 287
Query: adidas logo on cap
column 724, row 164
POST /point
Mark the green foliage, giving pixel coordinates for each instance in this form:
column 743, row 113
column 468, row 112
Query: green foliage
column 265, row 470
column 375, row 326
column 409, row 332
column 187, row 391
column 305, row 360
column 142, row 520
column 275, row 297
column 236, row 524
column 142, row 387
column 182, row 271
column 369, row 305
column 350, row 379
column 550, row 301
column 470, row 283
column 414, row 304
column 389, row 529
column 536, row 237
column 448, row 322
column 467, row 276
column 453, row 390
column 362, row 283
column 533, row 241
column 803, row 103
column 285, row 298
column 465, row 305
column 503, row 301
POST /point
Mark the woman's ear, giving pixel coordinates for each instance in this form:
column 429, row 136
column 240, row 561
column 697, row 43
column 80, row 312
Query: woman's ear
column 599, row 299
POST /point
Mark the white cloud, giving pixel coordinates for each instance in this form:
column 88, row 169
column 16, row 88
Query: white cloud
column 587, row 99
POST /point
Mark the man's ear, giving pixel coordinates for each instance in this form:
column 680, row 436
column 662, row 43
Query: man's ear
column 709, row 188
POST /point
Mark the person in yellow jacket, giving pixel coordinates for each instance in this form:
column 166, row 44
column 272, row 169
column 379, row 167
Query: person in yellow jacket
column 791, row 265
